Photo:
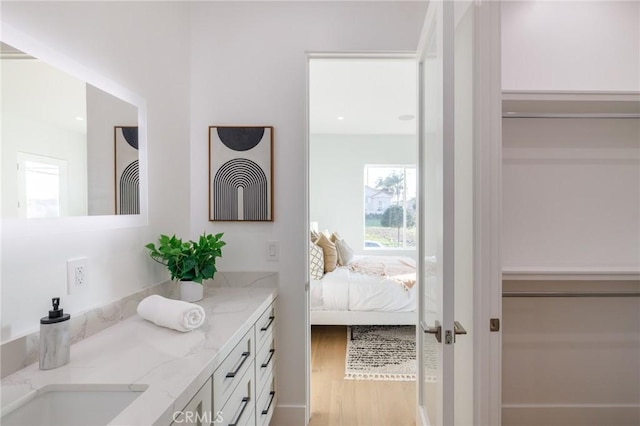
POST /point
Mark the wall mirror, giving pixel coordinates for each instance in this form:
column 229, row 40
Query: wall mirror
column 72, row 145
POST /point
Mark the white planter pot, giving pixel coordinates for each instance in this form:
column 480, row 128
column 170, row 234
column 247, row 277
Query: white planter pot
column 190, row 291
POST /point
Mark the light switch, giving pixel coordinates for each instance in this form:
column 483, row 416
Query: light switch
column 273, row 251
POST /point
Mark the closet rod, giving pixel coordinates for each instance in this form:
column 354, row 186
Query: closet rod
column 570, row 294
column 564, row 115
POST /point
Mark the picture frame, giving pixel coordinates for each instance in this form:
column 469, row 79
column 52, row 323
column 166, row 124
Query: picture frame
column 241, row 173
column 126, row 170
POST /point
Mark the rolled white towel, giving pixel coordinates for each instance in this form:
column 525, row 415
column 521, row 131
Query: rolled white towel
column 175, row 314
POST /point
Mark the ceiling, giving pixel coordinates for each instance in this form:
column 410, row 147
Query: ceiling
column 368, row 94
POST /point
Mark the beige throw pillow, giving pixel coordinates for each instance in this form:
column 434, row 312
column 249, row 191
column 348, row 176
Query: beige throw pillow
column 330, row 253
column 334, row 238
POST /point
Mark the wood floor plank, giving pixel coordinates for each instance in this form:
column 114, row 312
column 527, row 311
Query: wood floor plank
column 339, row 402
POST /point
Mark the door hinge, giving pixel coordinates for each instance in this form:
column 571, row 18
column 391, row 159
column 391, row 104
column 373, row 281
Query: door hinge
column 494, row 324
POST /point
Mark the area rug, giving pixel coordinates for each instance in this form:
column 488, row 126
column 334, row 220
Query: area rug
column 381, row 352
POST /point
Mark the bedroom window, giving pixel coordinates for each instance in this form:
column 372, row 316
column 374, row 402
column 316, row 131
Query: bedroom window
column 389, row 207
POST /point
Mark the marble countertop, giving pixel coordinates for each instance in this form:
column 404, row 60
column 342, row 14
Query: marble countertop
column 136, row 352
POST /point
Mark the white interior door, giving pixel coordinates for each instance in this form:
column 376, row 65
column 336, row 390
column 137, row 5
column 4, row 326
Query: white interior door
column 445, row 393
column 463, row 127
column 433, row 357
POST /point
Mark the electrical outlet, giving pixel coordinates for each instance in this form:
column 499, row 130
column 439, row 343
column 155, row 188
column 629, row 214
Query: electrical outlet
column 77, row 275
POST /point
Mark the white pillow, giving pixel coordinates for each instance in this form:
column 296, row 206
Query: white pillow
column 345, row 253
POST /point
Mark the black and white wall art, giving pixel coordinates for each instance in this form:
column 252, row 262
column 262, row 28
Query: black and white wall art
column 240, row 173
column 127, row 174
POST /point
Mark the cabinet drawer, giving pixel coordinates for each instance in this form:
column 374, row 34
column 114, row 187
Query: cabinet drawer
column 198, row 410
column 266, row 403
column 265, row 326
column 239, row 409
column 248, row 420
column 231, row 370
column 265, row 361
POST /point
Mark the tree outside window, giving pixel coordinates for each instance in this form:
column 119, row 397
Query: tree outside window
column 390, row 206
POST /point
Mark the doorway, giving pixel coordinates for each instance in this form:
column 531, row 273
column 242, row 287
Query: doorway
column 362, row 208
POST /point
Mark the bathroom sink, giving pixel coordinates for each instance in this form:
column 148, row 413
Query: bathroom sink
column 71, row 405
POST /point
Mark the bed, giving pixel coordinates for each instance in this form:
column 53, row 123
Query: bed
column 369, row 290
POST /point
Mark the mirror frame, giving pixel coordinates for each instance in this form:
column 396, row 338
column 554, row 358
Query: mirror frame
column 29, row 45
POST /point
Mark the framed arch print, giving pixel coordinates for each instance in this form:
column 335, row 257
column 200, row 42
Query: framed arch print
column 241, row 173
column 127, row 173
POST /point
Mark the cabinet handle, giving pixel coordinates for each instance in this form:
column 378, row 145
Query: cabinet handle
column 245, row 356
column 265, row 411
column 266, row 364
column 245, row 402
column 266, row 327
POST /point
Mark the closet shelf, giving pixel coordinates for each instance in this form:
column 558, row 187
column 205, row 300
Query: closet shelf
column 570, row 103
column 569, row 274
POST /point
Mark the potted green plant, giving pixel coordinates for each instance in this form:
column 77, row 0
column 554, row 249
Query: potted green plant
column 189, row 262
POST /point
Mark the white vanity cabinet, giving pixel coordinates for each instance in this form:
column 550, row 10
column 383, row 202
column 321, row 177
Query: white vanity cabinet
column 241, row 391
column 220, row 374
column 234, row 384
column 243, row 385
column 265, row 366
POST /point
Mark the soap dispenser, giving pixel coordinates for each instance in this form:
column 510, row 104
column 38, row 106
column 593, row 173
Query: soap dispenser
column 55, row 342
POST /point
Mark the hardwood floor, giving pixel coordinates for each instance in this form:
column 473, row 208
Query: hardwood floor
column 339, row 402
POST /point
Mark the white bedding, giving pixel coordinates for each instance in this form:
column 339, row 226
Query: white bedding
column 344, row 290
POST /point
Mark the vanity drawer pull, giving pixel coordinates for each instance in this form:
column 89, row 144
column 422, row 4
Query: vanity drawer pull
column 266, row 364
column 266, row 410
column 245, row 402
column 266, row 327
column 245, row 356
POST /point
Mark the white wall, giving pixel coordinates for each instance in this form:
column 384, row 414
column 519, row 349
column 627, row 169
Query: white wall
column 143, row 47
column 571, row 193
column 248, row 66
column 336, row 180
column 571, row 45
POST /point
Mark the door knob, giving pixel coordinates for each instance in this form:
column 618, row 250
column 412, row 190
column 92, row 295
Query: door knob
column 458, row 328
column 437, row 330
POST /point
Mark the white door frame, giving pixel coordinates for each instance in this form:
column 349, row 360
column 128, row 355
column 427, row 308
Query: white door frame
column 487, row 212
column 310, row 56
column 487, row 206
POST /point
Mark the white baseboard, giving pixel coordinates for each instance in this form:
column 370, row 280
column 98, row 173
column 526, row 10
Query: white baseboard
column 576, row 414
column 422, row 416
column 289, row 415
